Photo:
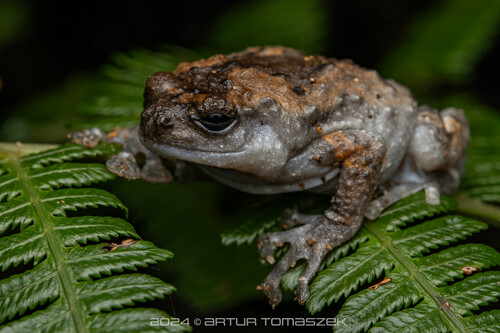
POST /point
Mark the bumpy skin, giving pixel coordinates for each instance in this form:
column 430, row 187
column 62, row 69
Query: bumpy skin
column 272, row 119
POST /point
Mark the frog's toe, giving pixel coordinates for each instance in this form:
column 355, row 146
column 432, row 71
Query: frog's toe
column 271, row 284
column 154, row 171
column 88, row 138
column 289, row 219
column 292, row 218
column 432, row 194
column 304, row 244
column 269, row 242
column 124, row 165
column 313, row 264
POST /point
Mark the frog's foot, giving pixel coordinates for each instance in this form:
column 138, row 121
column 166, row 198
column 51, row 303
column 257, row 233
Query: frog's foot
column 377, row 206
column 88, row 138
column 124, row 164
column 443, row 182
column 292, row 218
column 311, row 241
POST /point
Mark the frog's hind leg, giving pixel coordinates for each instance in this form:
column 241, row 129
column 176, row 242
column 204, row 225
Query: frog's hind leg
column 361, row 156
column 395, row 194
column 434, row 161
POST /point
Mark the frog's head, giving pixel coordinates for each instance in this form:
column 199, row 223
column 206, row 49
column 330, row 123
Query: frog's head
column 226, row 112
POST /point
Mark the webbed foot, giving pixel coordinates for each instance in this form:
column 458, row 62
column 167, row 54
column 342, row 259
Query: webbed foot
column 311, row 241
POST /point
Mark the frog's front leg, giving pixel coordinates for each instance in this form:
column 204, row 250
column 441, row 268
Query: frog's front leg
column 124, row 163
column 360, row 156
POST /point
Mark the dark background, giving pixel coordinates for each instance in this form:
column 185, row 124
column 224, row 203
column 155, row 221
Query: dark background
column 58, row 39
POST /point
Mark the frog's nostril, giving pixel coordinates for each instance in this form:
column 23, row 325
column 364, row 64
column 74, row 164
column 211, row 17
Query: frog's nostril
column 165, row 122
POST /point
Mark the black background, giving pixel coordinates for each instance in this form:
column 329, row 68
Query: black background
column 63, row 38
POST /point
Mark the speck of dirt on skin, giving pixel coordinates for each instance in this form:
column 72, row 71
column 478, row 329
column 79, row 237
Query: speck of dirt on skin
column 311, row 241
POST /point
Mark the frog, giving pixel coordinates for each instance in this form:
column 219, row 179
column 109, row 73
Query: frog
column 273, row 119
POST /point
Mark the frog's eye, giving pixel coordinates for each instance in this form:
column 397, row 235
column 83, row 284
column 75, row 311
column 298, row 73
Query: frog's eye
column 216, row 122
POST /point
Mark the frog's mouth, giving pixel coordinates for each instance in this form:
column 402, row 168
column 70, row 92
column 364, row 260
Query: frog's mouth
column 210, row 158
column 251, row 184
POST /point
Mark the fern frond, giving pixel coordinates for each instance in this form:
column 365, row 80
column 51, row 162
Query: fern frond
column 414, row 295
column 347, row 274
column 71, row 287
column 411, row 209
column 439, row 232
column 445, row 266
column 481, row 182
column 486, row 322
column 75, row 230
column 67, row 152
column 75, row 174
column 482, row 177
column 93, row 262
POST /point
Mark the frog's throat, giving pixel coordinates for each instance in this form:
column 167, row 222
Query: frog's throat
column 268, row 188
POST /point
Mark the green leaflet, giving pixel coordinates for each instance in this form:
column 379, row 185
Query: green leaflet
column 71, row 287
column 443, row 44
column 418, row 297
column 482, row 179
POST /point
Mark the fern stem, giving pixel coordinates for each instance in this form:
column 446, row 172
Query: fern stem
column 489, row 213
column 421, row 280
column 53, row 244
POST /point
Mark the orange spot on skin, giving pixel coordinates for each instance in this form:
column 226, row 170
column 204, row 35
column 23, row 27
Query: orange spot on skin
column 329, row 139
column 310, row 241
column 319, row 129
column 190, row 98
column 112, row 134
column 344, row 147
column 213, row 60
